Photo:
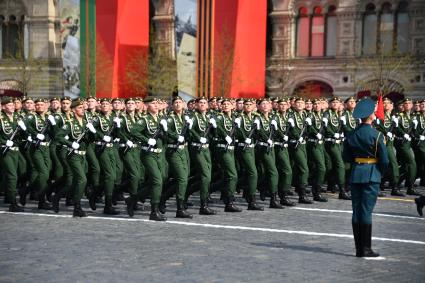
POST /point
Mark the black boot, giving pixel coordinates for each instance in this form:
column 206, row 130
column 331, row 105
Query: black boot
column 302, row 197
column 92, row 200
column 162, row 205
column 358, row 239
column 155, row 214
column 284, row 200
column 14, row 207
column 230, row 206
column 343, row 194
column 42, row 204
column 396, row 192
column 366, row 231
column 252, row 204
column 55, row 201
column 274, row 203
column 22, row 195
column 181, row 211
column 317, row 196
column 420, row 202
column 69, row 201
column 413, row 192
column 130, row 201
column 109, row 209
column 205, row 210
column 78, row 211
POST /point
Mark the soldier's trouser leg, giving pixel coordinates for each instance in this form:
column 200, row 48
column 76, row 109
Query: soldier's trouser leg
column 407, row 160
column 22, row 166
column 153, row 167
column 364, row 198
column 131, row 161
column 93, row 166
column 202, row 163
column 41, row 162
column 317, row 156
column 268, row 162
column 299, row 155
column 178, row 165
column 230, row 175
column 283, row 165
column 338, row 167
column 420, row 155
column 9, row 171
column 66, row 182
column 79, row 180
column 247, row 162
column 57, row 173
column 393, row 165
column 119, row 166
column 108, row 170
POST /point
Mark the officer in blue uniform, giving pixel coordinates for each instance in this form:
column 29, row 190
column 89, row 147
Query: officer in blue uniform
column 365, row 150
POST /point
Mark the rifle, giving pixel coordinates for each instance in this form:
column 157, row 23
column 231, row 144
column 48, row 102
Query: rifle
column 78, row 140
column 183, row 133
column 231, row 134
column 272, row 129
column 43, row 132
column 158, row 131
column 102, row 147
column 207, row 131
column 301, row 135
column 320, row 129
column 250, row 133
column 12, row 137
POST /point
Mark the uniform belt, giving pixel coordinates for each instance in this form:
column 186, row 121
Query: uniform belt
column 333, row 140
column 241, row 144
column 315, row 141
column 295, row 141
column 229, row 147
column 109, row 144
column 154, row 150
column 265, row 144
column 281, row 144
column 178, row 146
column 366, row 160
column 202, row 145
column 42, row 143
column 79, row 152
column 13, row 148
column 122, row 145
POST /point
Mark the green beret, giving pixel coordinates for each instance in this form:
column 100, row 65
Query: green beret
column 350, row 98
column 115, row 99
column 150, row 99
column 386, row 98
column 335, row 98
column 249, row 100
column 422, row 101
column 54, row 99
column 26, row 98
column 200, row 98
column 299, row 98
column 282, row 100
column 138, row 99
column 176, row 98
column 6, row 100
column 308, row 100
column 17, row 99
column 226, row 100
column 90, row 97
column 191, row 101
column 407, row 99
column 130, row 99
column 40, row 100
column 66, row 98
column 240, row 100
column 261, row 100
column 105, row 100
column 317, row 100
column 77, row 102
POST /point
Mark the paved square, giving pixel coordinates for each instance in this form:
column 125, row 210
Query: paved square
column 305, row 243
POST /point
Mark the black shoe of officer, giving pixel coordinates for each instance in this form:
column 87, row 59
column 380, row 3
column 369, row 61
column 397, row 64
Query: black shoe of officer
column 412, row 192
column 317, row 196
column 55, row 202
column 130, row 205
column 397, row 192
column 92, row 201
column 253, row 205
column 262, row 195
column 343, row 194
column 274, row 203
column 181, row 212
column 42, row 204
column 109, row 209
column 22, row 196
column 14, row 207
column 162, row 206
column 285, row 201
column 156, row 215
column 231, row 207
column 78, row 211
column 304, row 199
column 420, row 202
column 205, row 210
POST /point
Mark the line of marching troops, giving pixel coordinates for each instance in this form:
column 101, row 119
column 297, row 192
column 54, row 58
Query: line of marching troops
column 66, row 148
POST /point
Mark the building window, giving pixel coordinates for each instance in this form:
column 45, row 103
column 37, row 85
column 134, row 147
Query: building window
column 303, row 33
column 370, row 21
column 386, row 34
column 331, row 30
column 402, row 28
column 317, row 33
column 11, row 37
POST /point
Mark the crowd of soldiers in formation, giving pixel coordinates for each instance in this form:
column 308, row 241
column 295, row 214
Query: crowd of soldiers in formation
column 154, row 149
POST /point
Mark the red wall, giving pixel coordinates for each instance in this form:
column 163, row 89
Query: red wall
column 245, row 23
column 122, row 29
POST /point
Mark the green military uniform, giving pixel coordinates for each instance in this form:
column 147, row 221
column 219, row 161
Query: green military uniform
column 93, row 176
column 418, row 144
column 117, row 193
column 364, row 148
column 348, row 125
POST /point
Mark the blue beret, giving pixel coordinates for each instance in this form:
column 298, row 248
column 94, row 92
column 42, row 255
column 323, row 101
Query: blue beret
column 364, row 108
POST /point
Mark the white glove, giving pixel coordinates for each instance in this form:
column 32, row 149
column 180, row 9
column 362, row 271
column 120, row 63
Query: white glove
column 66, row 137
column 116, row 140
column 189, row 121
column 213, row 123
column 343, row 119
column 415, row 122
column 91, row 128
column 228, row 139
column 180, row 139
column 395, row 120
column 274, row 124
column 342, row 135
column 390, row 135
column 117, row 121
column 75, row 145
column 308, row 121
column 248, row 141
column 270, row 142
column 238, row 122
column 29, row 138
column 106, row 138
column 164, row 125
column 326, row 121
column 301, row 139
column 9, row 143
column 129, row 143
column 407, row 137
column 40, row 137
column 257, row 123
column 336, row 135
column 151, row 142
column 291, row 122
column 319, row 136
column 203, row 140
column 422, row 138
column 21, row 125
column 378, row 121
column 51, row 120
column 285, row 138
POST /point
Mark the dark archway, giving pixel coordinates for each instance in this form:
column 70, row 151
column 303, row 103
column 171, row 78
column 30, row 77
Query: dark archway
column 313, row 89
column 11, row 88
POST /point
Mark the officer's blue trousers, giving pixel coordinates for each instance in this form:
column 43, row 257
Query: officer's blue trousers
column 363, row 198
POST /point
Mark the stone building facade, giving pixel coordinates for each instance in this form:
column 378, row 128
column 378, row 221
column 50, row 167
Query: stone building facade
column 317, row 43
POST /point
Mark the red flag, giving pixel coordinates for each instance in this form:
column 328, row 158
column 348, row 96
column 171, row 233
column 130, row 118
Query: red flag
column 380, row 114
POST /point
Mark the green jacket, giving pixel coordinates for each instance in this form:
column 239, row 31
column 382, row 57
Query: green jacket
column 176, row 123
column 296, row 121
column 199, row 128
column 8, row 126
column 149, row 126
column 35, row 124
column 130, row 129
column 73, row 130
column 334, row 123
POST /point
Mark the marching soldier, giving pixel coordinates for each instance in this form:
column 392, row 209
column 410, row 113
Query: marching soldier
column 92, row 162
column 348, row 125
column 418, row 143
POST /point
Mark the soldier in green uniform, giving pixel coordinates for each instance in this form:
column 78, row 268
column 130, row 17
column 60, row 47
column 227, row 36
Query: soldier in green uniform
column 386, row 127
column 316, row 150
column 245, row 153
column 418, row 142
column 39, row 126
column 117, row 195
column 364, row 148
column 332, row 136
column 283, row 163
column 177, row 155
column 152, row 129
column 265, row 154
column 11, row 124
column 199, row 152
column 297, row 149
column 105, row 124
column 403, row 145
